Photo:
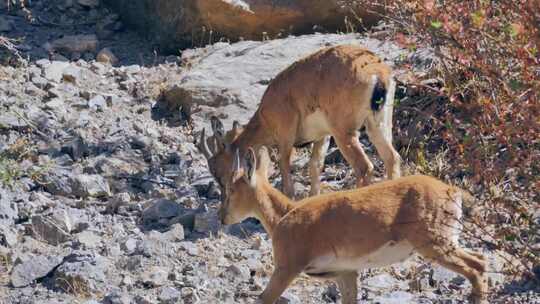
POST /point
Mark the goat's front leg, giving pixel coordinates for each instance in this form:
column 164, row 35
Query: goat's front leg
column 286, row 153
column 316, row 164
column 280, row 280
column 348, row 287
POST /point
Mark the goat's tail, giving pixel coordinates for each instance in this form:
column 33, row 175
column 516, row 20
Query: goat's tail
column 382, row 104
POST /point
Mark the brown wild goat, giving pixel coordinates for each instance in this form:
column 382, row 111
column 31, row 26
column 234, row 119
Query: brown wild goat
column 334, row 92
column 336, row 234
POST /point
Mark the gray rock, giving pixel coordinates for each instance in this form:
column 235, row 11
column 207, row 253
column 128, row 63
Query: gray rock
column 288, row 298
column 155, row 276
column 42, row 199
column 394, row 297
column 74, row 44
column 206, row 222
column 129, row 245
column 57, row 182
column 61, row 218
column 48, row 230
column 190, row 247
column 42, row 63
column 32, row 90
column 117, row 297
column 85, row 271
column 71, row 74
column 8, row 236
column 117, row 201
column 383, row 281
column 89, row 3
column 131, row 69
column 88, row 239
column 8, row 209
column 169, row 295
column 5, row 24
column 331, row 294
column 12, row 121
column 65, row 4
column 442, row 275
column 90, row 186
column 255, row 265
column 175, row 233
column 40, row 82
column 238, row 272
column 160, row 211
column 54, row 70
column 99, row 67
column 76, row 147
column 97, row 102
column 106, row 27
column 496, row 264
column 420, row 283
column 54, row 91
column 113, row 100
column 127, row 281
column 36, row 267
column 143, row 299
column 155, row 244
column 140, row 142
column 57, row 105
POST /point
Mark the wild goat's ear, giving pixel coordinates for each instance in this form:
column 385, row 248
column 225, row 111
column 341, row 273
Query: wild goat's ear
column 250, row 163
column 235, row 126
column 264, row 162
column 237, row 169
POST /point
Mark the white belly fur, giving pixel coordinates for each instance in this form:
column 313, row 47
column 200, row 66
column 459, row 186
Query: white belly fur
column 385, row 255
column 315, row 126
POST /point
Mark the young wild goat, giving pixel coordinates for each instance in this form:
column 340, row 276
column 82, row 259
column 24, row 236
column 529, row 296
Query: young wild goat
column 334, row 92
column 336, row 234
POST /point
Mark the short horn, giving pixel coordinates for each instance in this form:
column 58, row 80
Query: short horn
column 215, row 145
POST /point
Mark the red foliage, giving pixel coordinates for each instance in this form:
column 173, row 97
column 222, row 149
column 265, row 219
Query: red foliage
column 489, row 53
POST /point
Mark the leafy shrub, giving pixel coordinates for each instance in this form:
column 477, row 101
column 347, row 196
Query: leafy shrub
column 488, row 76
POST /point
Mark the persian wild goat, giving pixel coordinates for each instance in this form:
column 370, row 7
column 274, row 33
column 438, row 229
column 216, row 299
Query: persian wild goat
column 334, row 92
column 336, row 234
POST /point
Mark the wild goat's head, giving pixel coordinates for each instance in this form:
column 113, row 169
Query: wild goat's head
column 248, row 173
column 218, row 150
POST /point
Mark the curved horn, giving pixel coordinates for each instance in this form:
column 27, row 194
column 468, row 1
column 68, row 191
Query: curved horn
column 203, row 146
column 215, row 144
column 217, row 126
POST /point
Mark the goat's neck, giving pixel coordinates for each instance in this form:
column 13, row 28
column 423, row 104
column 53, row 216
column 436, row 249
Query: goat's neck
column 255, row 134
column 273, row 205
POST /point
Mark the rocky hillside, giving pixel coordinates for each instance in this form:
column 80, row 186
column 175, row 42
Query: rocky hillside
column 104, row 197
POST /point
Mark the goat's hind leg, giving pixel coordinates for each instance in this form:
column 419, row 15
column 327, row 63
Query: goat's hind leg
column 471, row 266
column 352, row 150
column 383, row 143
column 348, row 287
